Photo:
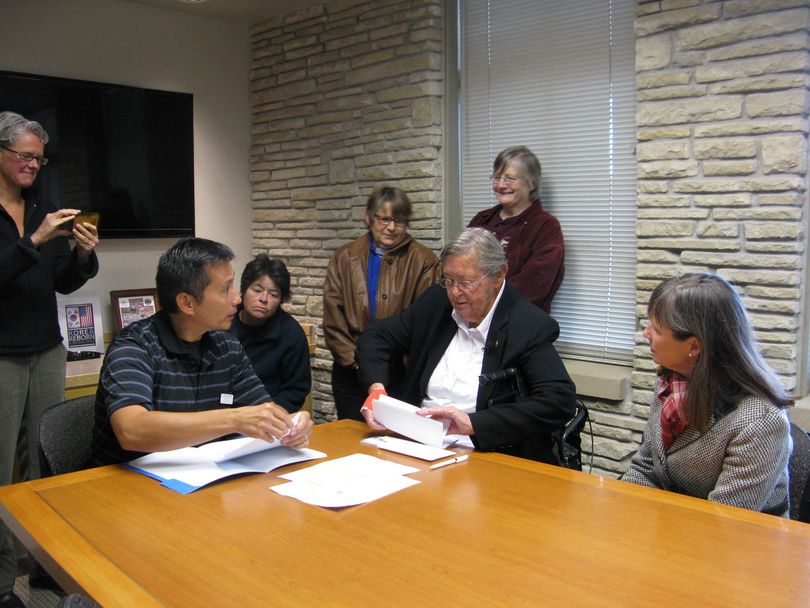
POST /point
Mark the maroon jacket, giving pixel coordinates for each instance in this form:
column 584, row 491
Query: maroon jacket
column 533, row 242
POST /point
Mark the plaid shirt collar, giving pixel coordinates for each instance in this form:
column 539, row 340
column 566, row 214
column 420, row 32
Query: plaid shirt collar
column 672, row 392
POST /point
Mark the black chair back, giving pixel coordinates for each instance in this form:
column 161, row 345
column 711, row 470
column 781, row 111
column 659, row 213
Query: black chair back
column 799, row 474
column 567, row 443
column 66, row 435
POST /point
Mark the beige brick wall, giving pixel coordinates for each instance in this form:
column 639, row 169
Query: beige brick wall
column 722, row 163
column 346, row 96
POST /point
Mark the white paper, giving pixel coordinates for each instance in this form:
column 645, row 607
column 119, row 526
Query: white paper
column 347, row 481
column 409, row 448
column 458, row 441
column 361, row 465
column 198, row 466
column 347, row 494
column 402, row 418
column 219, row 451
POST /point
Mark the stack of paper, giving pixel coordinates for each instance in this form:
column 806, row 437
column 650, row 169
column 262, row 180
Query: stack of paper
column 347, row 481
column 189, row 469
column 409, row 448
column 402, row 418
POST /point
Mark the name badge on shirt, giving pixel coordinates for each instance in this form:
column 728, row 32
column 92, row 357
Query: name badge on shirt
column 226, row 399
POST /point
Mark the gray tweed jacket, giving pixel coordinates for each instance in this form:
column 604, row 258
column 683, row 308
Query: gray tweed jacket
column 741, row 460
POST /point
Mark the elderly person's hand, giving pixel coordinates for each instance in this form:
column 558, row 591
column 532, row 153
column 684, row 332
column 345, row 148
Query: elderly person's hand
column 459, row 421
column 374, row 391
column 86, row 236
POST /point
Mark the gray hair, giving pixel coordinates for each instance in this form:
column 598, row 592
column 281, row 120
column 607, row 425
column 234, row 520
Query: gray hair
column 524, row 160
column 489, row 255
column 13, row 126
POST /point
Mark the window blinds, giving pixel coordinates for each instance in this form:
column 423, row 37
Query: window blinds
column 558, row 77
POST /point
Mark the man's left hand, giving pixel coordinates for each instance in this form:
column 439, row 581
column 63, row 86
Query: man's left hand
column 459, row 421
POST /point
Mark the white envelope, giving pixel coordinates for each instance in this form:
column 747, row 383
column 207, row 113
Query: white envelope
column 409, row 448
column 401, row 418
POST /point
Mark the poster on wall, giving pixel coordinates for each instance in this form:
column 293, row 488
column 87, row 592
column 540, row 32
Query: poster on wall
column 80, row 322
column 130, row 305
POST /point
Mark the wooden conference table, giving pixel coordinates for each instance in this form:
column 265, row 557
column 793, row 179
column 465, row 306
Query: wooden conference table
column 493, row 531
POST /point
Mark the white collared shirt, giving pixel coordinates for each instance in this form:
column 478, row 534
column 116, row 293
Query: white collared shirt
column 455, row 379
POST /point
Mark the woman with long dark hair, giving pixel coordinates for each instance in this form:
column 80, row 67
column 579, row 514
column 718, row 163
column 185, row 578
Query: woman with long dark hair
column 717, row 427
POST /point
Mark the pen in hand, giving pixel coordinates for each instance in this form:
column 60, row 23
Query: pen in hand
column 444, row 463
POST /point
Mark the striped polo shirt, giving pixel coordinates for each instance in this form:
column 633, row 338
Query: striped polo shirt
column 147, row 364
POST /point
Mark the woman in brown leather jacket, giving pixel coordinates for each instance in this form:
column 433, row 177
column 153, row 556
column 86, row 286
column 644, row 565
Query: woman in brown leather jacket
column 373, row 277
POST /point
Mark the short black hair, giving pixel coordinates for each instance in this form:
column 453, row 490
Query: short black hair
column 274, row 268
column 184, row 269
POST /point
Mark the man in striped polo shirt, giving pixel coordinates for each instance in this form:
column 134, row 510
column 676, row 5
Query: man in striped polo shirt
column 180, row 378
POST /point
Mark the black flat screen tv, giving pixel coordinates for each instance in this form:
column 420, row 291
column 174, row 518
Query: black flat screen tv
column 123, row 151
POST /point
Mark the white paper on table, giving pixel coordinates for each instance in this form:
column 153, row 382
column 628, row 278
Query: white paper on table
column 347, row 481
column 219, row 451
column 347, row 493
column 460, row 441
column 354, row 465
column 194, row 467
column 190, row 469
column 402, row 418
column 407, row 447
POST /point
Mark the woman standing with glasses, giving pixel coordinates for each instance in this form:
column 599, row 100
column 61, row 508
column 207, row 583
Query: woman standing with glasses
column 35, row 262
column 531, row 237
column 373, row 277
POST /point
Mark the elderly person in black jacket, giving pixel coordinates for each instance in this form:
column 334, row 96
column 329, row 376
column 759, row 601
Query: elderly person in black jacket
column 35, row 262
column 474, row 323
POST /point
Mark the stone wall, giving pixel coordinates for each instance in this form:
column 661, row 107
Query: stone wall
column 346, row 96
column 722, row 162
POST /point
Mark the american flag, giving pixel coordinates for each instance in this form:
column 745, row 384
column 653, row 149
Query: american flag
column 85, row 315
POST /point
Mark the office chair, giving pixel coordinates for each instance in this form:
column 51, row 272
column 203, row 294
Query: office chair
column 76, row 600
column 66, row 435
column 799, row 468
column 567, row 441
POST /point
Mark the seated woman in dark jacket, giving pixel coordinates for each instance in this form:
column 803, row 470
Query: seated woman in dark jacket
column 717, row 427
column 274, row 341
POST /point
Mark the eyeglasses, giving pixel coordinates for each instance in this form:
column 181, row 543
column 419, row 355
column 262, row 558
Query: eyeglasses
column 507, row 179
column 27, row 157
column 465, row 286
column 385, row 220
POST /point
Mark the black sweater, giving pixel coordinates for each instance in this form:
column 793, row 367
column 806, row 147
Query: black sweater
column 29, row 278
